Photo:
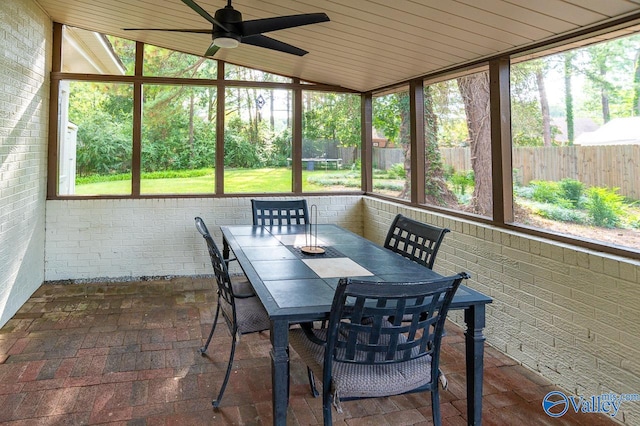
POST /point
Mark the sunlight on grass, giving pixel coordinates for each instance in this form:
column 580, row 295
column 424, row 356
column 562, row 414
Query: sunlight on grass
column 237, row 181
column 118, row 187
column 194, row 185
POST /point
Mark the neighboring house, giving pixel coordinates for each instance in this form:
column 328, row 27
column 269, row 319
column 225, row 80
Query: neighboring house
column 580, row 125
column 89, row 52
column 619, row 131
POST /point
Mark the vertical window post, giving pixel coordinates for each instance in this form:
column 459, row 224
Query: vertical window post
column 501, row 165
column 296, row 148
column 52, row 157
column 220, row 118
column 366, row 147
column 416, row 117
column 136, row 154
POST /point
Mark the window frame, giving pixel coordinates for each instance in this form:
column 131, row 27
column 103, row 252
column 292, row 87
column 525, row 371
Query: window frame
column 499, row 70
column 138, row 80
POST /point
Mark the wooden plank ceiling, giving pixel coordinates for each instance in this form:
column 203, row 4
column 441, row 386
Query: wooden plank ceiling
column 368, row 44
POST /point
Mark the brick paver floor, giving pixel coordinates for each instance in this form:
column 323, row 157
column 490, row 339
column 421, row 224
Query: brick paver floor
column 127, row 353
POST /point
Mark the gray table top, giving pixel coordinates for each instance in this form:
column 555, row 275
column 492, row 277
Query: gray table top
column 299, row 287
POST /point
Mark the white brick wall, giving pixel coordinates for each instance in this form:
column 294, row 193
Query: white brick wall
column 569, row 313
column 25, row 52
column 94, row 239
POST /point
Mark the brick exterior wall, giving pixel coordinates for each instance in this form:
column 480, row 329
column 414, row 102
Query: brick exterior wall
column 25, row 52
column 97, row 239
column 568, row 313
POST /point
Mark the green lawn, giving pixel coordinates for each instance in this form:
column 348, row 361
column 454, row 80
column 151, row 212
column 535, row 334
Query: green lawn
column 237, row 181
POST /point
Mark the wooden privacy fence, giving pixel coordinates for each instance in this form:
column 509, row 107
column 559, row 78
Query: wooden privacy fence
column 614, row 166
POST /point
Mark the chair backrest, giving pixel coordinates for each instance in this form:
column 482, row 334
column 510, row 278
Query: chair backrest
column 415, row 240
column 225, row 290
column 280, row 212
column 360, row 330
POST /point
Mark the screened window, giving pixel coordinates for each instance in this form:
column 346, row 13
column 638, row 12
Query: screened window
column 257, row 140
column 457, row 159
column 330, row 142
column 576, row 142
column 235, row 72
column 159, row 62
column 178, row 139
column 95, row 138
column 391, row 145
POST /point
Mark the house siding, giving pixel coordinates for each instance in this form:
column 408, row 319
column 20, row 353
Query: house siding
column 25, row 63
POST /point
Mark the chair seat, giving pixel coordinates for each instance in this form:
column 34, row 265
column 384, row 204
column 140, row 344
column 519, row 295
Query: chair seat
column 241, row 287
column 251, row 315
column 362, row 380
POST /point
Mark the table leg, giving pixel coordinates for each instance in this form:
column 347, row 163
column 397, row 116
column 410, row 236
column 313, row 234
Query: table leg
column 280, row 370
column 225, row 249
column 474, row 317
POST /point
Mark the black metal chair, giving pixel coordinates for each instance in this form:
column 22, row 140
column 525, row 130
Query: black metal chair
column 280, row 212
column 415, row 240
column 363, row 355
column 241, row 309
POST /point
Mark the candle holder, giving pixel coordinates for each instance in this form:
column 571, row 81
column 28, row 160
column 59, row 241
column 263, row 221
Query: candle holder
column 311, row 237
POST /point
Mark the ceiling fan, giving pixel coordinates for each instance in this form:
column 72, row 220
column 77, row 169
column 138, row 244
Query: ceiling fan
column 229, row 30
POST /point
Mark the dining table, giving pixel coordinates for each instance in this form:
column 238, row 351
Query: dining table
column 296, row 285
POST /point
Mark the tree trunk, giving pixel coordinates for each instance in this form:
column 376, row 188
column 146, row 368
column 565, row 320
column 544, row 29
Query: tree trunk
column 405, row 141
column 436, row 190
column 475, row 94
column 636, row 84
column 211, row 104
column 191, row 112
column 568, row 95
column 272, row 122
column 544, row 108
column 604, row 95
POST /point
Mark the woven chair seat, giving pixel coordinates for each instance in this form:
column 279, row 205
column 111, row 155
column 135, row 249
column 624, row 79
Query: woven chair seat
column 241, row 287
column 251, row 315
column 362, row 380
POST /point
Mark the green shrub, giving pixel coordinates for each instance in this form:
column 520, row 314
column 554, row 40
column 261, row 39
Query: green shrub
column 391, row 186
column 524, row 192
column 240, row 153
column 545, row 191
column 561, row 214
column 572, row 190
column 550, row 192
column 461, row 180
column 605, row 206
column 397, row 171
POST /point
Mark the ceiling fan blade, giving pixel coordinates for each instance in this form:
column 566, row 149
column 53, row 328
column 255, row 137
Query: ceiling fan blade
column 212, row 50
column 170, row 29
column 270, row 43
column 258, row 26
column 200, row 11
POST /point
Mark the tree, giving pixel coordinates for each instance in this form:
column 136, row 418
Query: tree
column 474, row 89
column 544, row 108
column 392, row 116
column 436, row 190
column 568, row 94
column 636, row 84
column 531, row 118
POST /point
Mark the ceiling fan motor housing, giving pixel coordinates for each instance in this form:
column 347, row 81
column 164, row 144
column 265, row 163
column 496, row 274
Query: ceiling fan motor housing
column 231, row 19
